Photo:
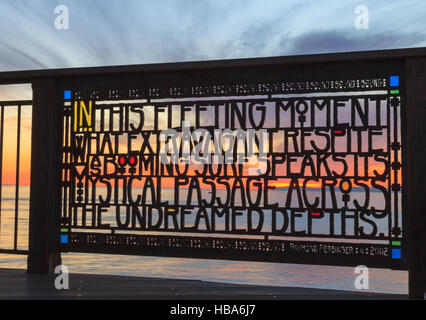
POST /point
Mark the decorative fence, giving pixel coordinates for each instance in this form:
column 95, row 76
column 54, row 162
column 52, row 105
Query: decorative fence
column 304, row 180
column 308, row 159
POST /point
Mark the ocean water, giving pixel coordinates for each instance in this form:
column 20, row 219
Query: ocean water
column 273, row 274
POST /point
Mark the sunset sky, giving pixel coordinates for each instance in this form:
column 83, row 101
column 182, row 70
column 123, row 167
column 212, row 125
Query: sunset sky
column 134, row 32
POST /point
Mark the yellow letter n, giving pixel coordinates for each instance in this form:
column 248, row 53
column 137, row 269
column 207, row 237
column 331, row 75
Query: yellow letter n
column 84, row 117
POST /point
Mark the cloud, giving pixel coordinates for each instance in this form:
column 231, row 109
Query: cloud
column 335, row 41
column 134, row 32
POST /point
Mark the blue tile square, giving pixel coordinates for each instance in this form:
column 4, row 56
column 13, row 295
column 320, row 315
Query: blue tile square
column 67, row 95
column 64, row 238
column 394, row 81
column 396, row 253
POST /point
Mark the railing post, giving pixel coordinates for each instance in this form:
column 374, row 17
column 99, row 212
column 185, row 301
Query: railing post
column 414, row 175
column 45, row 194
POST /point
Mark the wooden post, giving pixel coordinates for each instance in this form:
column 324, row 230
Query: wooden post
column 414, row 175
column 45, row 194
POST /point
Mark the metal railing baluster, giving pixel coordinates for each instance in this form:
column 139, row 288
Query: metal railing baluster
column 18, row 153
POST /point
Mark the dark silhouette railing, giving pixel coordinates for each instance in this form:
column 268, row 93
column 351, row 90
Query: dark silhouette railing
column 12, row 245
column 71, row 108
column 249, row 211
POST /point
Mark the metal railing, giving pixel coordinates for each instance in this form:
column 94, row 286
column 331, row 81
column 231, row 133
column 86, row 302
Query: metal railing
column 57, row 94
column 13, row 232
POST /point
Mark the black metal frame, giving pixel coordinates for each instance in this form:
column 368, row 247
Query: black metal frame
column 48, row 87
column 18, row 105
column 219, row 81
